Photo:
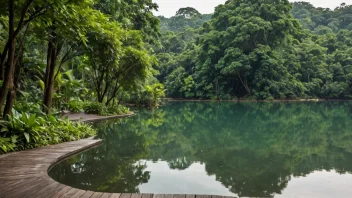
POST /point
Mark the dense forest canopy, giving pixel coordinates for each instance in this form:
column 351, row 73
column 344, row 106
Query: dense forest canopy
column 259, row 50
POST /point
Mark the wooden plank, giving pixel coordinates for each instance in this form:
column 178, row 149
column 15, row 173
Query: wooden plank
column 70, row 193
column 106, row 195
column 97, row 195
column 158, row 196
column 203, row 196
column 5, row 184
column 125, row 195
column 147, row 195
column 190, row 196
column 87, row 194
column 15, row 186
column 179, row 196
column 217, row 196
column 19, row 177
column 168, row 196
column 18, row 171
column 51, row 192
column 29, row 188
column 28, row 163
column 45, row 189
column 115, row 195
column 61, row 192
column 134, row 195
column 78, row 193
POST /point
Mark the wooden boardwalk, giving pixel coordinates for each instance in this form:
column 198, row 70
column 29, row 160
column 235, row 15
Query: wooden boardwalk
column 25, row 174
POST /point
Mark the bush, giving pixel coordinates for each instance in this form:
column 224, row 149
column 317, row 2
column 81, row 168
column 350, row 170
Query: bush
column 7, row 144
column 75, row 106
column 70, row 131
column 94, row 108
column 114, row 110
column 149, row 96
column 102, row 110
column 29, row 131
column 28, row 107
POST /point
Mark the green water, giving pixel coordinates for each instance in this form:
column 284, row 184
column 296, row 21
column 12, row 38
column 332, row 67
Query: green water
column 240, row 149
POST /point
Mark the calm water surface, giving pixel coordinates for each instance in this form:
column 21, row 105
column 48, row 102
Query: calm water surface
column 239, row 149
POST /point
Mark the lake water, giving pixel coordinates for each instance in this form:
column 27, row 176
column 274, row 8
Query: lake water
column 237, row 149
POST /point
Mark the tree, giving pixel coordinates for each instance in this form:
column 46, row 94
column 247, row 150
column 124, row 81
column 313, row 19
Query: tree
column 133, row 15
column 60, row 35
column 188, row 12
column 19, row 16
column 128, row 61
column 240, row 36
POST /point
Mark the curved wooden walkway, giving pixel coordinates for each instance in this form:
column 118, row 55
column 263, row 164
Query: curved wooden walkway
column 25, row 174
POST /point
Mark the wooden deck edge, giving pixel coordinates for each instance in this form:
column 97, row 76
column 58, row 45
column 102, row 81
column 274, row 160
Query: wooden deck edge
column 68, row 155
column 28, row 170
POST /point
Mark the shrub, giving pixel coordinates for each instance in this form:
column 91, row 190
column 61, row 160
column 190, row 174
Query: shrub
column 94, row 108
column 70, row 131
column 28, row 131
column 28, row 107
column 102, row 110
column 26, row 127
column 7, row 144
column 114, row 110
column 150, row 96
column 75, row 106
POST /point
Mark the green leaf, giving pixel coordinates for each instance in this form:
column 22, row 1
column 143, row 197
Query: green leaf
column 26, row 135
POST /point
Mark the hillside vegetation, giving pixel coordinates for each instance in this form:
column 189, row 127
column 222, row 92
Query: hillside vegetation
column 258, row 50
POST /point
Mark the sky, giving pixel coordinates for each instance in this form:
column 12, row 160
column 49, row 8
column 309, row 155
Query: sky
column 168, row 8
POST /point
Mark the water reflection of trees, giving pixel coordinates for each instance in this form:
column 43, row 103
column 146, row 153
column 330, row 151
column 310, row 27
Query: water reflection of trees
column 111, row 167
column 251, row 148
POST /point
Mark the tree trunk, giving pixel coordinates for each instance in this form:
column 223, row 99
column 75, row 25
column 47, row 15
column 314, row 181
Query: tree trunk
column 244, row 84
column 49, row 77
column 54, row 49
column 3, row 61
column 11, row 95
column 13, row 33
column 10, row 69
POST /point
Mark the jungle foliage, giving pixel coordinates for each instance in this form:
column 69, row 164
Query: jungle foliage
column 258, row 50
column 80, row 55
column 58, row 51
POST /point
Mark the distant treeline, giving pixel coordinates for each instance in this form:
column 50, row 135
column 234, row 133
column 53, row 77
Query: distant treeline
column 259, row 50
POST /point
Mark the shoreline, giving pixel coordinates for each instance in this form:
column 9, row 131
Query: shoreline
column 83, row 117
column 258, row 101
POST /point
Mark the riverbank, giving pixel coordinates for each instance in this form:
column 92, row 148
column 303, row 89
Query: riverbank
column 83, row 117
column 244, row 100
